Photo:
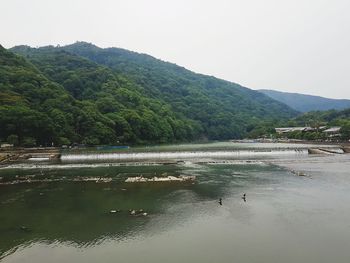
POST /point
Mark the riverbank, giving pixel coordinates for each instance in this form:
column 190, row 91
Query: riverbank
column 9, row 155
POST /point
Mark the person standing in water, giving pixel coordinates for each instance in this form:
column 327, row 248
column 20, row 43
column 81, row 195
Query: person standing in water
column 244, row 197
column 220, row 201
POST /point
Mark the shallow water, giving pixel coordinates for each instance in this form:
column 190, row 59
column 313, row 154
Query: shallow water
column 286, row 218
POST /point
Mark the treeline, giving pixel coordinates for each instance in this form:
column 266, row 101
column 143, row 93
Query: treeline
column 318, row 119
column 87, row 95
column 314, row 119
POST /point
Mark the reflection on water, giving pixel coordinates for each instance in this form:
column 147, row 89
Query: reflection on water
column 286, row 218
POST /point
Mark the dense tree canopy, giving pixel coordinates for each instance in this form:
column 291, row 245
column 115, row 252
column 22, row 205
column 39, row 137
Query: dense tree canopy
column 84, row 94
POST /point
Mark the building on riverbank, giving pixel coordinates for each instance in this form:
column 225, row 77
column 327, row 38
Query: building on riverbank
column 333, row 132
column 294, row 129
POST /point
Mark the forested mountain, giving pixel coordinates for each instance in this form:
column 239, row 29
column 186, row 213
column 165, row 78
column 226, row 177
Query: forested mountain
column 35, row 110
column 84, row 94
column 79, row 101
column 224, row 109
column 305, row 103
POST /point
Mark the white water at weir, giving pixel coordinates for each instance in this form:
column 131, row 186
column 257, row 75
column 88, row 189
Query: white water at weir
column 177, row 155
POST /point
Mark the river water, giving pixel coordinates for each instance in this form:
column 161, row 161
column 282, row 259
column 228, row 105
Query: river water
column 62, row 217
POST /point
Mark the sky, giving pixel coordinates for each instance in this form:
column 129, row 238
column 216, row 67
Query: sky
column 288, row 45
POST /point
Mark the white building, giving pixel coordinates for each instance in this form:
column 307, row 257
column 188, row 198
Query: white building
column 293, row 129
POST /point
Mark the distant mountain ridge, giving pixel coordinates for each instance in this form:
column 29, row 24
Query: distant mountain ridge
column 305, row 103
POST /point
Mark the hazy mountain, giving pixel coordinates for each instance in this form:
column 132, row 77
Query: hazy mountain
column 305, row 103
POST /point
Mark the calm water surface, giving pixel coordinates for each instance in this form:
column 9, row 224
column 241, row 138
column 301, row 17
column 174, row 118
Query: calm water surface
column 286, row 218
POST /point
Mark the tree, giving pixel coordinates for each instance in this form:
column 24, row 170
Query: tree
column 13, row 139
column 28, row 142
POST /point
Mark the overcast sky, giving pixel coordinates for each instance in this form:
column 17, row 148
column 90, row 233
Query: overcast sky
column 289, row 45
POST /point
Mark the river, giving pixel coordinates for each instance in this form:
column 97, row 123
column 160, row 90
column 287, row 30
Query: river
column 59, row 216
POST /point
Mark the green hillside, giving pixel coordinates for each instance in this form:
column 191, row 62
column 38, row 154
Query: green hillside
column 224, row 109
column 84, row 94
column 305, row 103
column 319, row 118
column 81, row 102
column 37, row 111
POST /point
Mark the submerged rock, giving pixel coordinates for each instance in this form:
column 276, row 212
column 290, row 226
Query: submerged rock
column 137, row 213
column 297, row 173
column 24, row 228
column 133, row 212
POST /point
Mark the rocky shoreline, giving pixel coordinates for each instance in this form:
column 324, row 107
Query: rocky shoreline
column 9, row 155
